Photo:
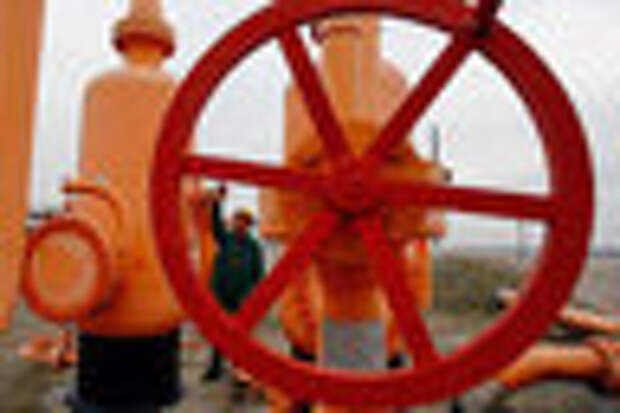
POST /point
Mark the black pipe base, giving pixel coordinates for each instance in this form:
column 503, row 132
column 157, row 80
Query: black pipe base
column 129, row 373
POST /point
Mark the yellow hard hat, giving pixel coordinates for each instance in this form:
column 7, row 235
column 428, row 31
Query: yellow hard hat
column 245, row 213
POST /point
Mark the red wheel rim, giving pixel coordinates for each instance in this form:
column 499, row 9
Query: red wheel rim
column 567, row 210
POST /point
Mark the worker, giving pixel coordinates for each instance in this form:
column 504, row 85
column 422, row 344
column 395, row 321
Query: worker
column 239, row 265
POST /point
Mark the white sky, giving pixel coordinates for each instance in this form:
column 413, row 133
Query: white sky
column 488, row 139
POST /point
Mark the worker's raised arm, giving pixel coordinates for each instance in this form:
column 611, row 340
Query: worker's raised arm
column 219, row 228
column 217, row 222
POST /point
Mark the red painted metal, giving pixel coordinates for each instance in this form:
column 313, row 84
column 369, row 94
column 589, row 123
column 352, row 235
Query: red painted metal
column 295, row 260
column 252, row 173
column 392, row 274
column 418, row 101
column 472, row 200
column 315, row 96
column 567, row 210
column 485, row 16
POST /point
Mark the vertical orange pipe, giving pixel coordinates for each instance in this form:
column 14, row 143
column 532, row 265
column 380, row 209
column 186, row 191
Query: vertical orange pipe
column 364, row 90
column 20, row 33
column 123, row 110
column 350, row 59
column 351, row 65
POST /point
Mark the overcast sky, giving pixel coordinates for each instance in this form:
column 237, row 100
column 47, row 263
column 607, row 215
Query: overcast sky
column 488, row 138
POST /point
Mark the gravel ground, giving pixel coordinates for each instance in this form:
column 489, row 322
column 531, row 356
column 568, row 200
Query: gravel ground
column 464, row 305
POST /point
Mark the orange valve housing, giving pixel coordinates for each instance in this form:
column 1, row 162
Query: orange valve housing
column 365, row 89
column 123, row 109
column 96, row 264
column 71, row 263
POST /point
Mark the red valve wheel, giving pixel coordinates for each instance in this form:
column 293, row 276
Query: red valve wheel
column 567, row 211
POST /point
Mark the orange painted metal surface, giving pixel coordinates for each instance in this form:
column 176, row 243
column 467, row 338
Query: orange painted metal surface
column 59, row 352
column 122, row 114
column 572, row 317
column 144, row 24
column 20, row 33
column 301, row 311
column 96, row 264
column 68, row 270
column 200, row 202
column 418, row 266
column 301, row 307
column 596, row 361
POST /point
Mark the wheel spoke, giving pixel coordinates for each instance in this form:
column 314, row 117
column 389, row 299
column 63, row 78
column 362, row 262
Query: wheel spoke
column 251, row 173
column 292, row 265
column 391, row 273
column 418, row 101
column 484, row 15
column 471, row 200
column 314, row 94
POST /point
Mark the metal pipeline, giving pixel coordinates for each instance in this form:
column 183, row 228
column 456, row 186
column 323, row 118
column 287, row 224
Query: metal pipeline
column 20, row 36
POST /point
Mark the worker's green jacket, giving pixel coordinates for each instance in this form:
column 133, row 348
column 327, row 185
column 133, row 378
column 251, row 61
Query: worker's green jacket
column 238, row 264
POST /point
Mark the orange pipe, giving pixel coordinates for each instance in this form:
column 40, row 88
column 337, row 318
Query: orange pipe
column 571, row 317
column 20, row 33
column 82, row 186
column 418, row 268
column 122, row 115
column 200, row 203
column 58, row 352
column 596, row 361
column 300, row 312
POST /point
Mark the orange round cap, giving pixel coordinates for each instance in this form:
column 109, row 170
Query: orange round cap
column 145, row 22
column 66, row 270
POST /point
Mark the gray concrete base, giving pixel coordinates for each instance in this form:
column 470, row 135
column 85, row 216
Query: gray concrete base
column 354, row 346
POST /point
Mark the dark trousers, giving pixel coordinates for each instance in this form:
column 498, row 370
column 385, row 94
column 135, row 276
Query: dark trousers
column 216, row 365
column 297, row 354
column 83, row 407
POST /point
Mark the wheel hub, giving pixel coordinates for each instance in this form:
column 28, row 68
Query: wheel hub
column 351, row 192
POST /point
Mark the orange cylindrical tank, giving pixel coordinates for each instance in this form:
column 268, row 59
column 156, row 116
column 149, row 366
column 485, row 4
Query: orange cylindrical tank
column 118, row 287
column 122, row 115
column 123, row 111
column 20, row 32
